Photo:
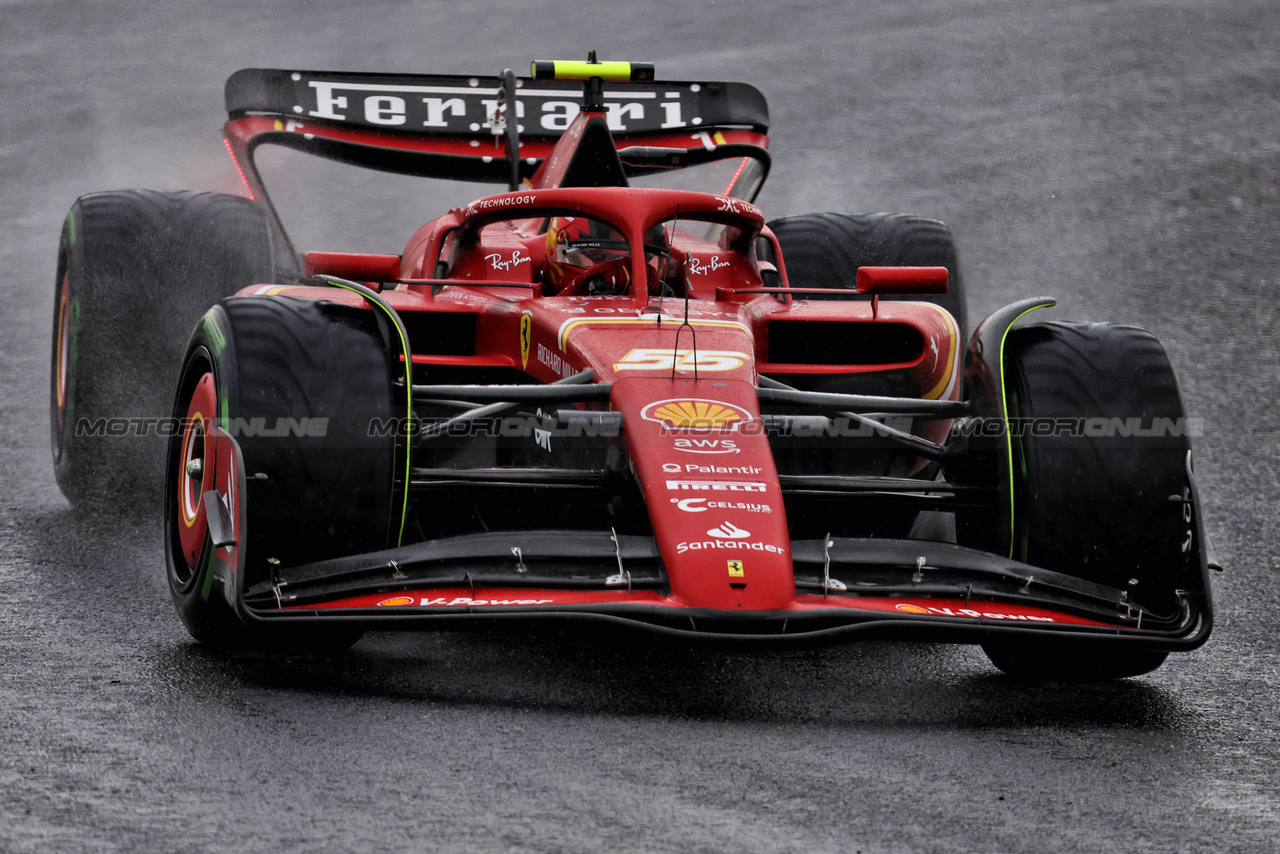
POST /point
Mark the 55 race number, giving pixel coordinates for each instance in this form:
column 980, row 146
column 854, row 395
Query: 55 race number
column 664, row 359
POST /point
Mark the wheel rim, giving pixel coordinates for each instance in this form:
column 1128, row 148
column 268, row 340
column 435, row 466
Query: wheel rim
column 195, row 469
column 61, row 359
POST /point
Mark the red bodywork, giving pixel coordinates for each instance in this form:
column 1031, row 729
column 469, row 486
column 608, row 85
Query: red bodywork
column 685, row 372
column 643, row 346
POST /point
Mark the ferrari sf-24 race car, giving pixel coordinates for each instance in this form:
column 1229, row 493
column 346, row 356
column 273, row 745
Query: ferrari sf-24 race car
column 598, row 397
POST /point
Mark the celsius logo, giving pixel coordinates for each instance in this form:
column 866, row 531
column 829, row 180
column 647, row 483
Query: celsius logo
column 702, row 505
column 728, row 531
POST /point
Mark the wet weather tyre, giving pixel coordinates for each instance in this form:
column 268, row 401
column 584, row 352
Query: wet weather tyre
column 825, row 250
column 136, row 270
column 1100, row 485
column 298, row 383
column 1067, row 662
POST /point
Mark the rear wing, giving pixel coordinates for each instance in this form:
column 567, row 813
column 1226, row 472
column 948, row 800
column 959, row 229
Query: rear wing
column 454, row 126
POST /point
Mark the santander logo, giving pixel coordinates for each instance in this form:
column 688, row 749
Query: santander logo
column 728, row 531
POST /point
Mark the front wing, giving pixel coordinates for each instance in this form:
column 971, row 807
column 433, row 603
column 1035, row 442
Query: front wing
column 846, row 588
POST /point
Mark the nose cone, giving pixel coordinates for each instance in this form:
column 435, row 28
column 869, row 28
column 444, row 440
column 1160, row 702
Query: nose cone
column 703, row 461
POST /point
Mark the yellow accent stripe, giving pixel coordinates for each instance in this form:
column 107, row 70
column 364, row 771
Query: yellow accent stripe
column 570, row 325
column 189, row 521
column 935, row 392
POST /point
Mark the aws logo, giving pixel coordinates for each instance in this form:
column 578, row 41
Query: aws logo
column 707, row 446
column 696, row 414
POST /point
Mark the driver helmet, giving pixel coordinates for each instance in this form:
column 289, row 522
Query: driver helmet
column 575, row 244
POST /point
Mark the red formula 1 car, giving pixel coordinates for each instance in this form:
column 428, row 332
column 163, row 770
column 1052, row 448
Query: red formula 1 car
column 589, row 399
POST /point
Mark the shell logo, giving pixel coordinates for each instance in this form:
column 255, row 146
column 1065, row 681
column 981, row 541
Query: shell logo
column 399, row 600
column 912, row 609
column 696, row 414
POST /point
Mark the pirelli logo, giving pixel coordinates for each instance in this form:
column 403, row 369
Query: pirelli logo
column 716, row 486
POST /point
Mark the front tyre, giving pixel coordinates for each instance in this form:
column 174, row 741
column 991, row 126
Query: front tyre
column 1100, row 489
column 1071, row 662
column 305, row 389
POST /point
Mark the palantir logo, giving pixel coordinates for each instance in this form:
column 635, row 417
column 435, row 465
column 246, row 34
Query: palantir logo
column 728, row 531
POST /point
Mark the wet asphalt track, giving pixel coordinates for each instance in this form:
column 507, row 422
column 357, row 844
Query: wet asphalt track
column 1124, row 157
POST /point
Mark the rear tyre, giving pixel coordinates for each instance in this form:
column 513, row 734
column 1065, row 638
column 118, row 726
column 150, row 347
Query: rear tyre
column 1100, row 485
column 299, row 384
column 825, row 251
column 136, row 269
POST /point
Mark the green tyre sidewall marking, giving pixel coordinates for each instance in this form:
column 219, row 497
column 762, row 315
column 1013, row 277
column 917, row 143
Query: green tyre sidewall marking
column 1008, row 433
column 209, row 573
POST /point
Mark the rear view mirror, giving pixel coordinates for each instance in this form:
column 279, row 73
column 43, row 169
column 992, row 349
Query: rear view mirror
column 902, row 280
column 352, row 265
